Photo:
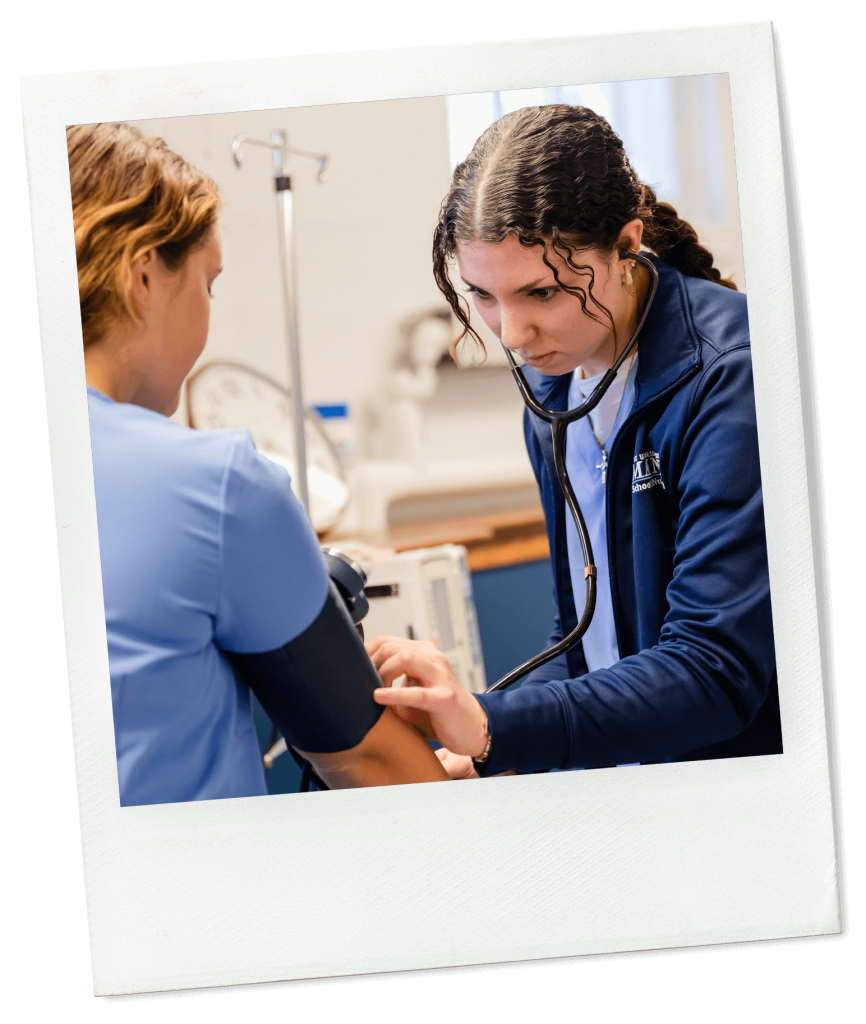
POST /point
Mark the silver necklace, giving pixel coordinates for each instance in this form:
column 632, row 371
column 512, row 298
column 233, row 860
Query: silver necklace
column 603, row 464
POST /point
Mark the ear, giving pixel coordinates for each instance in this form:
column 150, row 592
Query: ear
column 142, row 281
column 631, row 235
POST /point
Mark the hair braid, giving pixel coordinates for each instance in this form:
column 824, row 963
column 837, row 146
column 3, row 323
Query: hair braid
column 675, row 241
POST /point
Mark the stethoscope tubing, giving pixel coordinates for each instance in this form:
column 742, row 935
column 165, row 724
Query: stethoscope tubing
column 559, row 421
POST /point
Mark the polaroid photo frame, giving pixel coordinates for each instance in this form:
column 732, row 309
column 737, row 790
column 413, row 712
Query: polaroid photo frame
column 270, row 888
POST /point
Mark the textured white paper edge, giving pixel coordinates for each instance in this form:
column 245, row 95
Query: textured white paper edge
column 295, row 886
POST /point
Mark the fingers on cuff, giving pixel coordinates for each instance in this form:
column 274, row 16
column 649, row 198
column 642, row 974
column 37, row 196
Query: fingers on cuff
column 393, row 664
column 405, row 696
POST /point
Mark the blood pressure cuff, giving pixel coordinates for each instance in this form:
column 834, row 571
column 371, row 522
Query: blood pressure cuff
column 317, row 689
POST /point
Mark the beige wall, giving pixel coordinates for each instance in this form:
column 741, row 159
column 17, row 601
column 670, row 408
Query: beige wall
column 720, row 235
column 363, row 238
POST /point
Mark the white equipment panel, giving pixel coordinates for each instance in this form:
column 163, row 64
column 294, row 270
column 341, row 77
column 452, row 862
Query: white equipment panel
column 426, row 594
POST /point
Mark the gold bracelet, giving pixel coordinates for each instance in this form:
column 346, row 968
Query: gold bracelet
column 486, row 753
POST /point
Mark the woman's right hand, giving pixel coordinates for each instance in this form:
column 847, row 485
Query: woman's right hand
column 457, row 718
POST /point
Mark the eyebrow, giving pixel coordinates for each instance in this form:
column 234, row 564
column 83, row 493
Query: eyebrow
column 517, row 291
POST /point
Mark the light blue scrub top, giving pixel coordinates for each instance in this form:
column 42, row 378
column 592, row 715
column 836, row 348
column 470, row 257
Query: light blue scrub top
column 204, row 548
column 583, row 459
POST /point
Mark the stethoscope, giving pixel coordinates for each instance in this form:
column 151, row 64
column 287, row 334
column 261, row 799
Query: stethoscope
column 559, row 422
column 350, row 577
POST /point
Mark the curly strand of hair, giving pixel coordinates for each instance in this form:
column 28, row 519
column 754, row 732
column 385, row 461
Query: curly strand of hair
column 566, row 252
column 442, row 250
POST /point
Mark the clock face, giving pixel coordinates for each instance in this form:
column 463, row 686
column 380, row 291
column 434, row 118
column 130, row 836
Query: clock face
column 227, row 395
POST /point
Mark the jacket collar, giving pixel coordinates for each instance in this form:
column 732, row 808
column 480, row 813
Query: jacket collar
column 668, row 347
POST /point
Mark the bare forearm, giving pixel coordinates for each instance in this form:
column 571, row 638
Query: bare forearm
column 391, row 753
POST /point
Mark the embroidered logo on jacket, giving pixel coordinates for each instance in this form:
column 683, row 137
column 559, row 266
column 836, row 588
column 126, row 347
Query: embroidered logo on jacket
column 646, row 472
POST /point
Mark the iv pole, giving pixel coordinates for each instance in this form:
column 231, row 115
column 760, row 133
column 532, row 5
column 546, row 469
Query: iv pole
column 283, row 183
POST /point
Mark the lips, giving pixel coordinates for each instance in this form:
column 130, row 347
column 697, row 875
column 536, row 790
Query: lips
column 538, row 360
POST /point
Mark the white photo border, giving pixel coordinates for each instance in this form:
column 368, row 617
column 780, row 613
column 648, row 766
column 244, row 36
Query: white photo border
column 299, row 886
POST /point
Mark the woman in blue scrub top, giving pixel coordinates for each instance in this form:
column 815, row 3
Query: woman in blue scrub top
column 679, row 662
column 207, row 558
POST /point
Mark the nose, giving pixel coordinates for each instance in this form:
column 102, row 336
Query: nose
column 515, row 330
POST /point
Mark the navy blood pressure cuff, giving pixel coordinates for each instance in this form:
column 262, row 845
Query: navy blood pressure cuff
column 317, row 690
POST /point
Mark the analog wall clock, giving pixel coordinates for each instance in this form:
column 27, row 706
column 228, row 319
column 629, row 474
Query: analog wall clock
column 225, row 395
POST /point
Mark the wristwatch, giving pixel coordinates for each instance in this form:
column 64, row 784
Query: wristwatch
column 482, row 757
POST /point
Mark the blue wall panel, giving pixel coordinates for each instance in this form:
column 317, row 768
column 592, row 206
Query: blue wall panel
column 515, row 614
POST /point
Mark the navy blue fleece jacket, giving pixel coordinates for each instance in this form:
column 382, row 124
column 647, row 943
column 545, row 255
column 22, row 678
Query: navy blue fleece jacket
column 688, row 562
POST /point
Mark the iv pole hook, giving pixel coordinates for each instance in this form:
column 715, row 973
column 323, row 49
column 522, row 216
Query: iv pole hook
column 320, row 158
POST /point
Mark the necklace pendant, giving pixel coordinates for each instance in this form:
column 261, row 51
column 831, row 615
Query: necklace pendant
column 603, row 466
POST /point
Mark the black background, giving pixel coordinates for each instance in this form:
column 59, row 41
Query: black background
column 49, row 935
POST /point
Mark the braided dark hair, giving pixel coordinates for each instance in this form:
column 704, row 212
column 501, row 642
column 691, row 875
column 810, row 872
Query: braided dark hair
column 557, row 177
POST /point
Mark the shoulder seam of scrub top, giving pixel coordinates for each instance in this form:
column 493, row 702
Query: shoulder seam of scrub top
column 236, row 435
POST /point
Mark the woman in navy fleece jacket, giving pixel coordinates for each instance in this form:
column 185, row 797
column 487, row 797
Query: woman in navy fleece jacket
column 679, row 663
